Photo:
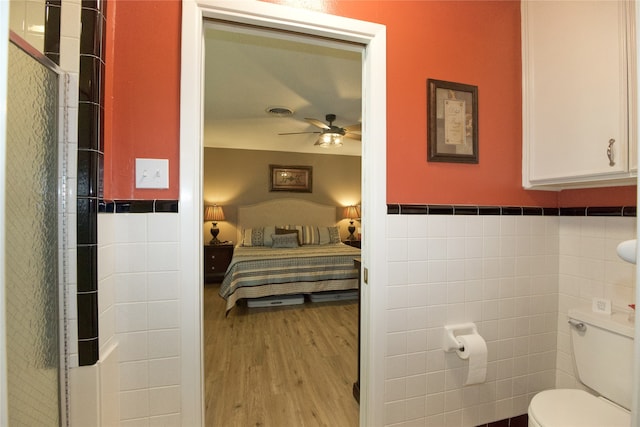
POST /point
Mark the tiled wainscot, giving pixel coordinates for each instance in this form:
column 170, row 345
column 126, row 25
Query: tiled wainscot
column 514, row 272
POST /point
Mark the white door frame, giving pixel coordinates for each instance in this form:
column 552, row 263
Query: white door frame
column 373, row 37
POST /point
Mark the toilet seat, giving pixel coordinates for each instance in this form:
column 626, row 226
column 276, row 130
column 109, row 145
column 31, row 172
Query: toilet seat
column 572, row 407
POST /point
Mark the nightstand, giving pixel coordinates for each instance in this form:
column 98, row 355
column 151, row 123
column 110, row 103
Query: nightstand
column 354, row 243
column 216, row 261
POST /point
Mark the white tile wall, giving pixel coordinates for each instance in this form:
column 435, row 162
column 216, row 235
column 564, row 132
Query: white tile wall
column 503, row 273
column 497, row 271
column 589, row 267
column 106, row 283
column 27, row 20
column 146, row 307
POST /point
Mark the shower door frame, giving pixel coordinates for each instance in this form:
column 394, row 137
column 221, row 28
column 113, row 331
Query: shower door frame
column 61, row 209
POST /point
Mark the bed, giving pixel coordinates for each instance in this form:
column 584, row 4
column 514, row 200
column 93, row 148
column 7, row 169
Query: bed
column 288, row 248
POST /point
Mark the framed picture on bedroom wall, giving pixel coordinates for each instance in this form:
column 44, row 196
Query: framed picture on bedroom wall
column 291, row 178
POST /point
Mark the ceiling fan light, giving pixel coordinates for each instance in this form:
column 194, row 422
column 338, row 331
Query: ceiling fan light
column 330, row 139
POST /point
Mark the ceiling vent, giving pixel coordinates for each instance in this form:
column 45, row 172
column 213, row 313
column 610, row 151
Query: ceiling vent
column 279, row 111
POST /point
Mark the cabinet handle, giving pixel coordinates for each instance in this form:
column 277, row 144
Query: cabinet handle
column 610, row 152
column 213, row 257
column 213, row 267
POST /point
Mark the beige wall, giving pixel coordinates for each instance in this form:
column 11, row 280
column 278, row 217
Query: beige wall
column 241, row 177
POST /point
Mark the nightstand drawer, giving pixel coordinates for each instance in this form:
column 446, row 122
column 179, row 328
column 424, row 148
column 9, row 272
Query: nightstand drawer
column 216, row 261
column 354, row 243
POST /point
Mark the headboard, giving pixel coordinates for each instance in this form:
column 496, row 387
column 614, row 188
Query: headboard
column 285, row 211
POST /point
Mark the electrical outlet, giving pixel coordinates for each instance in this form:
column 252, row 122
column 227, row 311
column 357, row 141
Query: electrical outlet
column 601, row 305
column 152, row 173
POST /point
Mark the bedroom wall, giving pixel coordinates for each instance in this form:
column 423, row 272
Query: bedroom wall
column 241, row 177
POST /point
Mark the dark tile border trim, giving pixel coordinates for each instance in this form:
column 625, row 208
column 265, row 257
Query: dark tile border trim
column 401, row 209
column 519, row 421
column 138, row 206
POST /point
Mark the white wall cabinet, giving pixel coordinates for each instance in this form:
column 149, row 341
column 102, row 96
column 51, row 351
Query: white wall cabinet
column 579, row 97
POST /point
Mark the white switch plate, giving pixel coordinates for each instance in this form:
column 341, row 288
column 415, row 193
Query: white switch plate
column 152, row 173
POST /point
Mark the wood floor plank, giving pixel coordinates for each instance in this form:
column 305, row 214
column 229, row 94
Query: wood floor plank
column 280, row 366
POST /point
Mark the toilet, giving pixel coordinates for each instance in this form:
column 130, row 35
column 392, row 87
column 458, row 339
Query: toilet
column 603, row 353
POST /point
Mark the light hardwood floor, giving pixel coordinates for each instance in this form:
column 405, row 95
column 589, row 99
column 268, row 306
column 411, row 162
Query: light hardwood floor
column 280, row 367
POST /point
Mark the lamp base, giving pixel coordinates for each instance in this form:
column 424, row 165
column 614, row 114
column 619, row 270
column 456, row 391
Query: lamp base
column 214, row 232
column 351, row 228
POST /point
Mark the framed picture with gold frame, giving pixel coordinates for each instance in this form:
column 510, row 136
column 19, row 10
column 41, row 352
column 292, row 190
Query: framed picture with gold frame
column 291, row 178
column 452, row 122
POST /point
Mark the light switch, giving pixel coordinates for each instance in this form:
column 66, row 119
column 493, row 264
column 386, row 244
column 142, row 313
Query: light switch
column 152, row 173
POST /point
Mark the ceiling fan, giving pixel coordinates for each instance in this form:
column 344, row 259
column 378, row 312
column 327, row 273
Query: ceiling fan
column 330, row 135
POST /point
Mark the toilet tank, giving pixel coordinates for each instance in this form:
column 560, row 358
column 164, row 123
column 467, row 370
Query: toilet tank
column 603, row 352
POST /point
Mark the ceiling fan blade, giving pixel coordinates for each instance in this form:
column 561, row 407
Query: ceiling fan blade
column 296, row 133
column 355, row 136
column 318, row 123
column 353, row 128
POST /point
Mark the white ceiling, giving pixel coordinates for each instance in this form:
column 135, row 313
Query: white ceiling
column 248, row 71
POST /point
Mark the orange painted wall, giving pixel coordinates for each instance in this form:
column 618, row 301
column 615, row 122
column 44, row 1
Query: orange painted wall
column 471, row 42
column 142, row 94
column 612, row 196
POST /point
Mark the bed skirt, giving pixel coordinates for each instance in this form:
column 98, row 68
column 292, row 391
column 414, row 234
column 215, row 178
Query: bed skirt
column 290, row 288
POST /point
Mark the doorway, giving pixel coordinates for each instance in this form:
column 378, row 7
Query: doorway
column 298, row 363
column 373, row 37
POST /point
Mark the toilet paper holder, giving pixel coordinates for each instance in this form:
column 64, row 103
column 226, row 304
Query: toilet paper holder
column 449, row 340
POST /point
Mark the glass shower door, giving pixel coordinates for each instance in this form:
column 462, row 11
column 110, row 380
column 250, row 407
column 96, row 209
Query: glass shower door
column 31, row 242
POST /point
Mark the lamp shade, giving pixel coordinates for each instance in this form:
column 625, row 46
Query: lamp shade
column 351, row 212
column 213, row 213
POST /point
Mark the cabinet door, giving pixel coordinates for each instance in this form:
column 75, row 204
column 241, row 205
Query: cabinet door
column 574, row 90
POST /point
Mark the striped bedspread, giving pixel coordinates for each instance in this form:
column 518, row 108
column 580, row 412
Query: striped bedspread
column 256, row 272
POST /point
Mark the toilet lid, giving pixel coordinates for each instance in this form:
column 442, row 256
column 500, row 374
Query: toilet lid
column 569, row 407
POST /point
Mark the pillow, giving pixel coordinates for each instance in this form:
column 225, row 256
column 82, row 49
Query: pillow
column 288, row 240
column 323, row 236
column 253, row 237
column 258, row 236
column 327, row 235
column 310, row 235
column 268, row 231
column 334, row 234
column 282, row 231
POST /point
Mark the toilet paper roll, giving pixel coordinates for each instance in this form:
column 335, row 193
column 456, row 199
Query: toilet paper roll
column 475, row 350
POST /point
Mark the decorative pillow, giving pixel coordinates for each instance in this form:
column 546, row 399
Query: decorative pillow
column 334, row 235
column 323, row 235
column 328, row 235
column 282, row 231
column 289, row 240
column 310, row 235
column 253, row 237
column 268, row 231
